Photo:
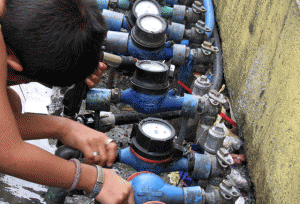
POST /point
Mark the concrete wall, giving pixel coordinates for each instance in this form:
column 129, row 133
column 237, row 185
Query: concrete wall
column 261, row 49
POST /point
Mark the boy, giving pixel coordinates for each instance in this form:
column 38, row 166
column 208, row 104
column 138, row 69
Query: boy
column 56, row 42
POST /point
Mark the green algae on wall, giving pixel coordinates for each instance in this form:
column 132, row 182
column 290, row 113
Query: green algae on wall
column 261, row 57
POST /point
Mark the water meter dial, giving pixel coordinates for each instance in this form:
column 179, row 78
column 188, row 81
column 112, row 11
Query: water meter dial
column 149, row 31
column 152, row 139
column 141, row 7
column 151, row 76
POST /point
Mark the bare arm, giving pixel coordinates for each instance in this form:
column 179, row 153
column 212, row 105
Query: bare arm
column 32, row 163
column 71, row 133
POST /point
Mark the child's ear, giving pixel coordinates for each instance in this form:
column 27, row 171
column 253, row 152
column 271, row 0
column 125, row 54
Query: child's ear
column 13, row 62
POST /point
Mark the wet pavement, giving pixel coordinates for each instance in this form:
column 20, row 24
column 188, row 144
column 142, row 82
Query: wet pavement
column 18, row 191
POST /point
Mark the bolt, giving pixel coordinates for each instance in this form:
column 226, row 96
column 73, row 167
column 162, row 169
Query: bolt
column 224, row 152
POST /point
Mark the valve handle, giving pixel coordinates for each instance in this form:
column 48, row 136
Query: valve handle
column 198, row 7
column 216, row 96
column 201, row 27
column 224, row 157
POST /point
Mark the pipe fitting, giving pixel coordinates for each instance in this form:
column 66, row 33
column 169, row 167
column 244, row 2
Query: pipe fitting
column 107, row 120
column 148, row 187
column 195, row 13
column 215, row 139
column 197, row 34
column 209, row 109
column 116, row 42
column 202, row 56
column 180, row 54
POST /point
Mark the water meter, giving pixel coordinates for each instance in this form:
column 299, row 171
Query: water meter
column 142, row 7
column 150, row 77
column 152, row 139
column 149, row 31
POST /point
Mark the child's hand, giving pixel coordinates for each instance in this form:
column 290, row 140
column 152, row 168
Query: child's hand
column 95, row 77
column 115, row 189
column 90, row 142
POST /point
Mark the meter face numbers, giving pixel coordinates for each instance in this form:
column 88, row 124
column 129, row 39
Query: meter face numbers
column 146, row 7
column 155, row 67
column 157, row 130
column 151, row 24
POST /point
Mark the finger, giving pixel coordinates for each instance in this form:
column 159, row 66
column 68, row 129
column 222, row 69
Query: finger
column 89, row 82
column 102, row 66
column 111, row 153
column 88, row 155
column 131, row 198
column 95, row 78
column 102, row 157
column 98, row 72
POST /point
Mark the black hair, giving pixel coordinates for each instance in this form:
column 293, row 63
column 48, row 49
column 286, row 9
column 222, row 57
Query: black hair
column 58, row 42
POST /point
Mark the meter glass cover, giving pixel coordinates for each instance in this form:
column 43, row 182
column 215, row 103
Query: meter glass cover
column 151, row 23
column 157, row 130
column 146, row 7
column 152, row 67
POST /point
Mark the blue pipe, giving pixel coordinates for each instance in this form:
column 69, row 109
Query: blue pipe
column 150, row 187
column 202, row 167
column 127, row 157
column 209, row 16
column 185, row 73
column 115, row 20
column 163, row 53
column 148, row 104
column 98, row 98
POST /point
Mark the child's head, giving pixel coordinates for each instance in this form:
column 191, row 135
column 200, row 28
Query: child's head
column 57, row 42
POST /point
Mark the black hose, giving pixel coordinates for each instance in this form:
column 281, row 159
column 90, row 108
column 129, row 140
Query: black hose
column 132, row 117
column 218, row 66
column 67, row 153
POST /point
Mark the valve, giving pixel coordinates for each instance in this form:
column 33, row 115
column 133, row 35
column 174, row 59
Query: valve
column 214, row 140
column 197, row 34
column 205, row 54
column 210, row 106
column 194, row 13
